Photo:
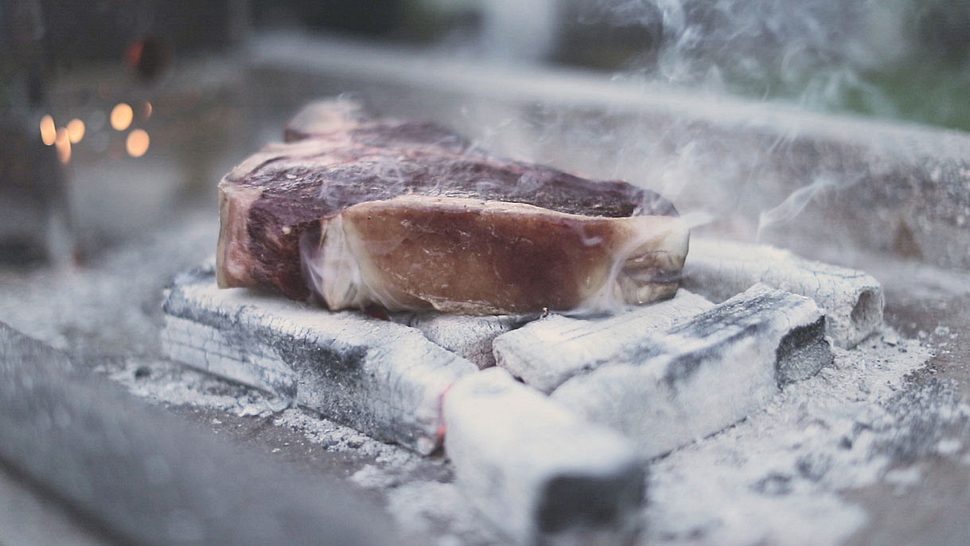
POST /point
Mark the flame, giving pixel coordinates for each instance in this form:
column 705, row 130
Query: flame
column 75, row 130
column 137, row 143
column 149, row 109
column 62, row 142
column 48, row 132
column 121, row 116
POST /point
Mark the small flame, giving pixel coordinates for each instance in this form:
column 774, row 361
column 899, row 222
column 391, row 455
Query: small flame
column 121, row 116
column 62, row 141
column 148, row 109
column 75, row 130
column 137, row 143
column 48, row 131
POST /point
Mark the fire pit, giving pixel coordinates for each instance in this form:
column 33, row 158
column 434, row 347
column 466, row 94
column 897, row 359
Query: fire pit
column 661, row 375
column 622, row 389
column 725, row 415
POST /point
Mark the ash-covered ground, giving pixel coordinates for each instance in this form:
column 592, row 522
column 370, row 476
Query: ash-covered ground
column 804, row 470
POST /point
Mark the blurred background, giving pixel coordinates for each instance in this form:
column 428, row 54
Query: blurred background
column 117, row 114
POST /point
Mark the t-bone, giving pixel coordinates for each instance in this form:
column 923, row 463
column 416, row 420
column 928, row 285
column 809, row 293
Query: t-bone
column 547, row 352
column 704, row 374
column 537, row 470
column 381, row 378
column 852, row 300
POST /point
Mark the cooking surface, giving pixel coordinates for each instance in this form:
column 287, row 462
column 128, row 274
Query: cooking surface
column 107, row 314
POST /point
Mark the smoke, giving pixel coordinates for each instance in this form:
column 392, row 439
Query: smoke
column 815, row 52
column 792, row 206
column 696, row 218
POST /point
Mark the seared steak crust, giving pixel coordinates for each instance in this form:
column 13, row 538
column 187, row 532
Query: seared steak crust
column 280, row 198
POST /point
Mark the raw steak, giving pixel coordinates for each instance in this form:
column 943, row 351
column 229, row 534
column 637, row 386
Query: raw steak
column 408, row 215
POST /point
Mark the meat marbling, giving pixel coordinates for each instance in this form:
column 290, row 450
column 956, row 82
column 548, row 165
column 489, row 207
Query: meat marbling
column 408, row 215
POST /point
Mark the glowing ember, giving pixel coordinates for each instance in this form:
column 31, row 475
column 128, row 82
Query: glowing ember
column 75, row 130
column 48, row 132
column 121, row 116
column 63, row 144
column 137, row 143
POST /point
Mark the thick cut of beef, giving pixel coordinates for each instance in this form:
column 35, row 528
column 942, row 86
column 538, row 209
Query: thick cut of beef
column 409, row 215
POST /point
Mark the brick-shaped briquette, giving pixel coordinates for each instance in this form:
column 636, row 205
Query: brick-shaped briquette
column 535, row 469
column 705, row 374
column 547, row 352
column 852, row 300
column 381, row 378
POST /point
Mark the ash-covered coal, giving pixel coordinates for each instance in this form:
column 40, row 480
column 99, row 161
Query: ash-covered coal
column 776, row 478
column 852, row 300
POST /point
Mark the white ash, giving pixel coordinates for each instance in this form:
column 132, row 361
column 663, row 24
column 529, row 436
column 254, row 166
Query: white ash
column 903, row 479
column 425, row 509
column 948, row 446
column 775, row 478
column 109, row 307
column 173, row 384
column 168, row 383
column 335, row 437
column 372, row 477
column 705, row 374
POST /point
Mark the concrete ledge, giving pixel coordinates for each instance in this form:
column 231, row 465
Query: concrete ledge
column 133, row 474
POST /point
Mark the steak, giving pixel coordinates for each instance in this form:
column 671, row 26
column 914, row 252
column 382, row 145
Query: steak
column 359, row 211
